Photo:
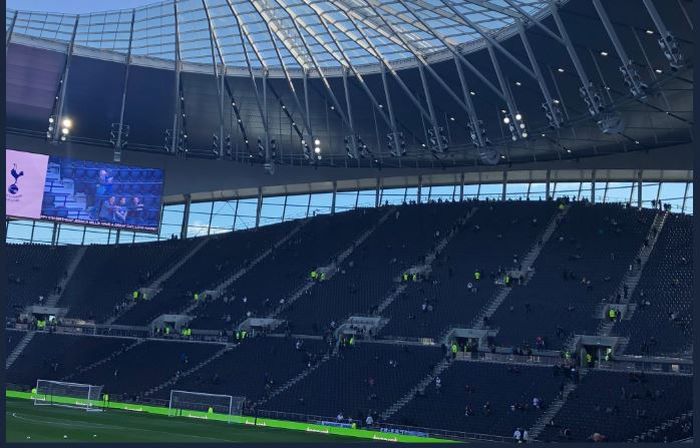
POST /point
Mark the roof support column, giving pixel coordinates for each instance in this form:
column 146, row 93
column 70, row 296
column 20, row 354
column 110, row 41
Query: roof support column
column 335, row 193
column 64, row 85
column 639, row 189
column 10, row 30
column 235, row 214
column 461, row 187
column 284, row 206
column 176, row 96
column 471, row 113
column 185, row 217
column 119, row 143
column 392, row 118
column 505, row 182
column 349, row 106
column 258, row 208
column 420, row 188
column 637, row 88
column 685, row 196
column 54, row 233
column 431, row 110
column 376, row 193
column 586, row 87
column 548, row 184
column 556, row 120
column 218, row 76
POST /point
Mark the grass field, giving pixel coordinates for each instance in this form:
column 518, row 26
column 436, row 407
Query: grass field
column 28, row 423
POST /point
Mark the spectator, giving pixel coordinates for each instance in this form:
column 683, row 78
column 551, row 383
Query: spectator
column 107, row 210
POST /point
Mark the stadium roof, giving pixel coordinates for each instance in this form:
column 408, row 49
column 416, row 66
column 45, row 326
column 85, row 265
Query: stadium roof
column 462, row 82
column 311, row 34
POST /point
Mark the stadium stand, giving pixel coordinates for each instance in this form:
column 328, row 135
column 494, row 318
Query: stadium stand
column 399, row 243
column 254, row 368
column 557, row 297
column 362, row 380
column 54, row 356
column 12, row 338
column 112, row 273
column 490, row 239
column 220, row 257
column 664, row 325
column 293, row 373
column 467, row 219
column 318, row 243
column 34, row 271
column 621, row 406
column 499, row 398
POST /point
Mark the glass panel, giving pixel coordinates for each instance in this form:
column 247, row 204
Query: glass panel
column 672, row 193
column 585, row 191
column 393, row 196
column 345, row 201
column 470, row 191
column 94, row 235
column 171, row 223
column 443, row 192
column 649, row 191
column 411, row 194
column 145, row 237
column 491, row 191
column 222, row 219
column 618, row 192
column 271, row 212
column 367, row 198
column 19, row 231
column 320, row 204
column 42, row 232
column 247, row 208
column 566, row 189
column 68, row 234
column 516, row 192
column 296, row 206
column 538, row 192
column 198, row 220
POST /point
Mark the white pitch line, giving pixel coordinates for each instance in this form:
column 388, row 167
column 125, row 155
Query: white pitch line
column 99, row 425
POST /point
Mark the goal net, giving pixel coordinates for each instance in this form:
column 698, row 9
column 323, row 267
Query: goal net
column 183, row 402
column 72, row 395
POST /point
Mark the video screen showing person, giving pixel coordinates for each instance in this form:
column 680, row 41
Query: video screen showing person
column 95, row 193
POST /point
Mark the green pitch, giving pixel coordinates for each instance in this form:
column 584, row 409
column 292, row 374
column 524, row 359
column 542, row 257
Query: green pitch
column 28, row 423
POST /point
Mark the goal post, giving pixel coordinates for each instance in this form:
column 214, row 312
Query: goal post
column 72, row 395
column 204, row 405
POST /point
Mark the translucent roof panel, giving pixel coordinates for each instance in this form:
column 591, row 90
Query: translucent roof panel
column 315, row 35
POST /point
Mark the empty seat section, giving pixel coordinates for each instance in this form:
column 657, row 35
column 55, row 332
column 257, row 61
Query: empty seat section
column 596, row 243
column 286, row 269
column 487, row 241
column 489, row 390
column 366, row 378
column 664, row 325
column 254, row 368
column 620, row 406
column 367, row 276
column 107, row 275
column 55, row 356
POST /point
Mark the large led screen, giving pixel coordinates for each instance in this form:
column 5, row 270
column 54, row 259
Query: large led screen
column 83, row 192
column 25, row 174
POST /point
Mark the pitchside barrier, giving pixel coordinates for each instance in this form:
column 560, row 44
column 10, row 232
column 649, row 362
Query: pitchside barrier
column 246, row 420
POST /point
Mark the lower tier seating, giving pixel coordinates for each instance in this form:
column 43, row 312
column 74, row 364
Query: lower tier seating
column 500, row 399
column 620, row 405
column 367, row 378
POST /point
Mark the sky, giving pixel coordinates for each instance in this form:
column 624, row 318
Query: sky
column 75, row 6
